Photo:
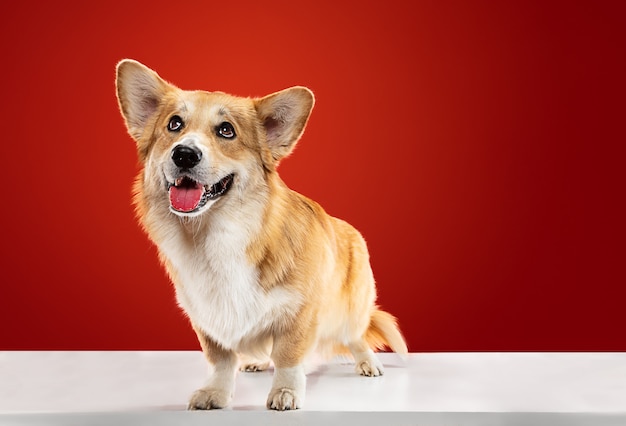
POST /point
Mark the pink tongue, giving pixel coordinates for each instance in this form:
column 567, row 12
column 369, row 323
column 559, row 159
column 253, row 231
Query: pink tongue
column 185, row 199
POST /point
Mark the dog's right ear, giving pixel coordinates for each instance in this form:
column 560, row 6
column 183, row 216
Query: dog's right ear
column 139, row 93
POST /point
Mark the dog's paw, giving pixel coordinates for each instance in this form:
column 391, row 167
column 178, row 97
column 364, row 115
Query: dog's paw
column 254, row 366
column 249, row 363
column 369, row 368
column 208, row 399
column 283, row 399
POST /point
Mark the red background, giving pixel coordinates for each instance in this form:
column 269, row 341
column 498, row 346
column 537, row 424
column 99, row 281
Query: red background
column 478, row 146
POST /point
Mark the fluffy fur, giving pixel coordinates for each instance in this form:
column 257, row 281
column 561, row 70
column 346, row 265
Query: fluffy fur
column 262, row 272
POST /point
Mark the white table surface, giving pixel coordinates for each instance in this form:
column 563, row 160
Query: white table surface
column 430, row 388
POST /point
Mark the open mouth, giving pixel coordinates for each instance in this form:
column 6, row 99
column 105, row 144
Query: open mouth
column 187, row 195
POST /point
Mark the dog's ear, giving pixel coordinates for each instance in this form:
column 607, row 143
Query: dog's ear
column 139, row 93
column 284, row 115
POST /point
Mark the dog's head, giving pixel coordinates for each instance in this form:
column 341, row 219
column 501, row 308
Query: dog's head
column 196, row 146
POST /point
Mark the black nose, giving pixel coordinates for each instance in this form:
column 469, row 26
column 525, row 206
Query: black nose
column 186, row 157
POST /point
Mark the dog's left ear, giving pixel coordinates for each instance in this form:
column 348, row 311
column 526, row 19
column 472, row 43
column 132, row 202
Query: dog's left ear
column 284, row 115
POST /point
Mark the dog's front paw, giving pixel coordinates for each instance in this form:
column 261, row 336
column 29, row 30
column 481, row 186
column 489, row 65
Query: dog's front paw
column 283, row 399
column 208, row 399
column 369, row 368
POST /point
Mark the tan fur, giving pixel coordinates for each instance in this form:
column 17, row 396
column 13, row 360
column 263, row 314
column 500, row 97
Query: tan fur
column 262, row 258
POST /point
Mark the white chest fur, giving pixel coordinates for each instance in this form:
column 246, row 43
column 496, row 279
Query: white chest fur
column 218, row 287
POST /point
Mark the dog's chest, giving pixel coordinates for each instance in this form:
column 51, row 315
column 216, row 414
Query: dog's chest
column 218, row 288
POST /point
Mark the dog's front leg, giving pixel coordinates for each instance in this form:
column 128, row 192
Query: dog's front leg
column 289, row 383
column 219, row 391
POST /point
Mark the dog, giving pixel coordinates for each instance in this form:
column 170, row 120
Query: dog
column 264, row 274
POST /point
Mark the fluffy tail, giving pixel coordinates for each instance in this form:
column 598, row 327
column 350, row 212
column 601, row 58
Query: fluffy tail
column 383, row 332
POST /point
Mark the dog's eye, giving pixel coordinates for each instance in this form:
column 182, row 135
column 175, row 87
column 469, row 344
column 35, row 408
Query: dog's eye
column 226, row 130
column 175, row 124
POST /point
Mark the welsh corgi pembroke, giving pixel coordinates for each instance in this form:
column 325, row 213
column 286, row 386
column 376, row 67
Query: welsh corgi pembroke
column 264, row 274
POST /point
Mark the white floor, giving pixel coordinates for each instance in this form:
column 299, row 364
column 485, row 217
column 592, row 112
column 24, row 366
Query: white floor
column 434, row 388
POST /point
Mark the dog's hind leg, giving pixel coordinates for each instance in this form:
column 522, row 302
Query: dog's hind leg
column 366, row 361
column 252, row 364
column 382, row 332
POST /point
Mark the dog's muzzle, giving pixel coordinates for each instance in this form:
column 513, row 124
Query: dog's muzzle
column 186, row 193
